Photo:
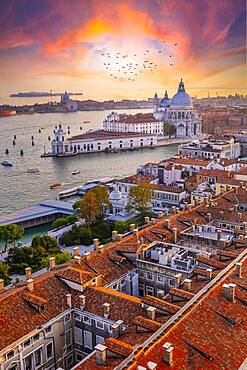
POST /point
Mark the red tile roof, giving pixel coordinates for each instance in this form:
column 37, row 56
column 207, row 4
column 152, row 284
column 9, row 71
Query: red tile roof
column 160, row 304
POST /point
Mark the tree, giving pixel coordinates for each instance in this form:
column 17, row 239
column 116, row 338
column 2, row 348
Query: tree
column 120, row 226
column 89, row 208
column 46, row 245
column 169, row 129
column 62, row 258
column 140, row 198
column 10, row 233
column 102, row 197
column 4, row 272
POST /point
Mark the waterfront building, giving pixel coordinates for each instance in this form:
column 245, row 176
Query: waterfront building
column 212, row 148
column 99, row 141
column 179, row 112
column 140, row 300
column 69, row 104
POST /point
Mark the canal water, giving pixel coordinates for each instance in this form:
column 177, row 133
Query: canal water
column 21, row 189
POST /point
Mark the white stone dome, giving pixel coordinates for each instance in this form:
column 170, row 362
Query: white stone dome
column 115, row 195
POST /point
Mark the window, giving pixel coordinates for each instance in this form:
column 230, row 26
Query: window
column 36, row 337
column 77, row 316
column 27, row 343
column 28, row 362
column 79, row 357
column 100, row 325
column 88, row 339
column 38, row 358
column 108, row 327
column 10, row 355
column 99, row 339
column 69, row 360
column 67, row 317
column 161, row 278
column 13, row 367
column 68, row 340
column 149, row 276
column 49, row 351
column 149, row 290
column 48, row 329
column 87, row 320
column 78, row 336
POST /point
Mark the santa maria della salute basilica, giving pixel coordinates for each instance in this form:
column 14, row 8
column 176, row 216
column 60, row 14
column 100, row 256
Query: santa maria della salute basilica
column 175, row 117
column 179, row 111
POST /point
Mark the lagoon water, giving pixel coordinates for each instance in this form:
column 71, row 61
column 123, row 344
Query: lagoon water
column 21, row 189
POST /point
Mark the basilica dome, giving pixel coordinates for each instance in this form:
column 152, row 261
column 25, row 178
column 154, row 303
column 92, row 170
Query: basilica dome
column 165, row 102
column 181, row 98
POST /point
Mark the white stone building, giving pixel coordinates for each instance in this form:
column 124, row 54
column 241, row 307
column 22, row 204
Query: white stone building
column 180, row 112
column 98, row 141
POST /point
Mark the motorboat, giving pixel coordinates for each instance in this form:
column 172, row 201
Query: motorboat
column 54, row 186
column 86, row 121
column 7, row 164
column 68, row 193
column 76, row 172
column 33, row 170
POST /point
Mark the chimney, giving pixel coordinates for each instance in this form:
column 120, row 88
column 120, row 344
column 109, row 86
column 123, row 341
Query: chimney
column 167, row 223
column 187, row 284
column 96, row 244
column 136, row 233
column 190, row 207
column 209, row 217
column 160, row 214
column 101, row 249
column 77, row 259
column 106, row 310
column 175, row 230
column 100, row 354
column 209, row 274
column 52, row 263
column 82, row 299
column 87, row 255
column 229, row 291
column 239, row 269
column 166, row 211
column 1, row 285
column 30, row 285
column 116, row 330
column 28, row 272
column 114, row 235
column 174, row 211
column 168, row 354
column 152, row 365
column 245, row 225
column 147, row 219
column 221, row 214
column 69, row 301
column 152, row 221
column 177, row 209
column 132, row 227
column 151, row 312
column 160, row 294
column 76, row 251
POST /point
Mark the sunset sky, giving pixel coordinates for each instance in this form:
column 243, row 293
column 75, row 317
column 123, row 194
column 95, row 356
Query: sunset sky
column 58, row 45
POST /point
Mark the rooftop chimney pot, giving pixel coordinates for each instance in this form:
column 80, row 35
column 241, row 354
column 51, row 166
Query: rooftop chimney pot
column 69, row 301
column 76, row 251
column 52, row 263
column 28, row 272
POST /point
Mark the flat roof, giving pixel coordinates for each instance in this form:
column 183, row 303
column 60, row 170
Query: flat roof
column 44, row 208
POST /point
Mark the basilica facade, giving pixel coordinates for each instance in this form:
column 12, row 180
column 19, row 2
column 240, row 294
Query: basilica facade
column 179, row 112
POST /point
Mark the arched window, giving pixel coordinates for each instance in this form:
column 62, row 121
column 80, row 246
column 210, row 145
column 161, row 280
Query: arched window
column 182, row 114
column 179, row 115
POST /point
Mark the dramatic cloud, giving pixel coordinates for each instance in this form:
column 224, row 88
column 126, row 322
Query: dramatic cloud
column 59, row 43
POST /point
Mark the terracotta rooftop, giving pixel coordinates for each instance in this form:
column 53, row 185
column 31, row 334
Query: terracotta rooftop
column 75, row 275
column 104, row 135
column 148, row 324
column 137, row 179
column 160, row 304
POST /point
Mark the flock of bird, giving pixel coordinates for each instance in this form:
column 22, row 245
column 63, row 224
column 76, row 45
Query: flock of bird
column 126, row 67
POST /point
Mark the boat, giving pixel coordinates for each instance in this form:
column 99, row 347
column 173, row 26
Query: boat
column 68, row 193
column 7, row 164
column 54, row 186
column 86, row 121
column 43, row 126
column 33, row 170
column 76, row 172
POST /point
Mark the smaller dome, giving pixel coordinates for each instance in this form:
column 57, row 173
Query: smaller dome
column 115, row 195
column 165, row 102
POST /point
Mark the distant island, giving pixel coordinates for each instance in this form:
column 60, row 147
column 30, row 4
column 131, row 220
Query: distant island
column 37, row 94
